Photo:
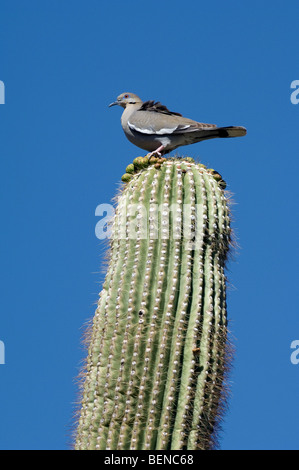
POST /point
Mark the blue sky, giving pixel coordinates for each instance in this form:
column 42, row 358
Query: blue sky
column 63, row 153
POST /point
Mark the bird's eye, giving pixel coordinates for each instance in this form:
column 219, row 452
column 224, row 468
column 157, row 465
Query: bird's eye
column 127, row 96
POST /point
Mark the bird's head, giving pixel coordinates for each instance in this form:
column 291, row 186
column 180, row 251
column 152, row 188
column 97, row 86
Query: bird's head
column 125, row 99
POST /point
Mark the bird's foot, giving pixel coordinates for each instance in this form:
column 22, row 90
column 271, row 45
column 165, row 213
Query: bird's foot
column 159, row 152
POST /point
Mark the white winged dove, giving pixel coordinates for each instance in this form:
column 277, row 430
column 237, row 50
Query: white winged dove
column 151, row 126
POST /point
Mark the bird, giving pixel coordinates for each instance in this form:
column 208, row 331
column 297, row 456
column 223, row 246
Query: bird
column 151, row 126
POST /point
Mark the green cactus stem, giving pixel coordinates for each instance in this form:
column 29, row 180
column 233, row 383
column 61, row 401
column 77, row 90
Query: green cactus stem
column 158, row 350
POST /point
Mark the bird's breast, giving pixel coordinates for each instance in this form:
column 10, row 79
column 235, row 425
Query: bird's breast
column 143, row 141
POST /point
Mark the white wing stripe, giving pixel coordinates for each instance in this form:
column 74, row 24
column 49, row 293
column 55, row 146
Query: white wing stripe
column 163, row 131
column 166, row 131
column 144, row 131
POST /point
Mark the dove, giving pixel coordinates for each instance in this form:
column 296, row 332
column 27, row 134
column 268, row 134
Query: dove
column 151, row 126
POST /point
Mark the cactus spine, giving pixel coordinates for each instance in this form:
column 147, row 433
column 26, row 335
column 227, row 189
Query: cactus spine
column 157, row 356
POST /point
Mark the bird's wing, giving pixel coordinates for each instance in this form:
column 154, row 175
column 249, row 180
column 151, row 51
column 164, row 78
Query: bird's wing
column 158, row 120
column 157, row 107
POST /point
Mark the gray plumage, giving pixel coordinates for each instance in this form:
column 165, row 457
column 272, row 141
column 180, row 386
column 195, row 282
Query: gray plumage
column 152, row 127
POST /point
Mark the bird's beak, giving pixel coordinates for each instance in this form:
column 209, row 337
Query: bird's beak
column 113, row 104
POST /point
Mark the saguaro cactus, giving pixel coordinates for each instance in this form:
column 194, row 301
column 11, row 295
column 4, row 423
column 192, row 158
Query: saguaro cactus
column 157, row 355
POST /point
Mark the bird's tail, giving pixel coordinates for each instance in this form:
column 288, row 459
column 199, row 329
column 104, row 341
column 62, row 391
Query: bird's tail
column 214, row 132
column 231, row 131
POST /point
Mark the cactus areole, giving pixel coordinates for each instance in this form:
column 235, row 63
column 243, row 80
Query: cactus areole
column 158, row 348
